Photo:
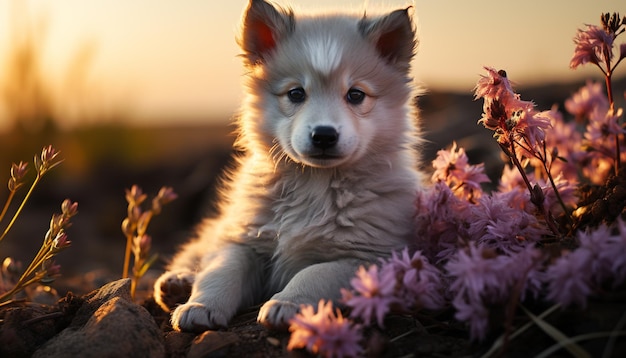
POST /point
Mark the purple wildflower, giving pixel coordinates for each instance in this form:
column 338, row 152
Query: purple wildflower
column 475, row 314
column 477, row 273
column 593, row 45
column 495, row 85
column 482, row 278
column 324, row 332
column 452, row 167
column 599, row 260
column 418, row 282
column 607, row 246
column 512, row 119
column 498, row 223
column 599, row 159
column 569, row 278
column 440, row 221
column 375, row 295
column 474, row 275
column 584, row 102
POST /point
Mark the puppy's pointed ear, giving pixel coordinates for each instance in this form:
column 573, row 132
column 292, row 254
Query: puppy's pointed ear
column 393, row 36
column 264, row 26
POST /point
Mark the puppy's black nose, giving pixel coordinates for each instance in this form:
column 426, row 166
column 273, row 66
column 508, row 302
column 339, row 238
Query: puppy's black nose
column 324, row 137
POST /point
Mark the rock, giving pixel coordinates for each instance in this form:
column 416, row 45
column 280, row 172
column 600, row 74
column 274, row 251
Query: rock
column 212, row 344
column 177, row 343
column 108, row 324
column 22, row 330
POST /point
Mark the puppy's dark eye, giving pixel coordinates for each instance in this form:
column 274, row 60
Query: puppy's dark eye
column 296, row 95
column 355, row 96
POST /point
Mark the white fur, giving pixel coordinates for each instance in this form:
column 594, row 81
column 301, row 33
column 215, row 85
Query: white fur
column 325, row 54
column 295, row 226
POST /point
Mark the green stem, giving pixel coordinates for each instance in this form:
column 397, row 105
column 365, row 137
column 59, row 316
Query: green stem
column 19, row 210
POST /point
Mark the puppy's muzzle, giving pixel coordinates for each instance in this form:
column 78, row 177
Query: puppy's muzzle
column 324, row 137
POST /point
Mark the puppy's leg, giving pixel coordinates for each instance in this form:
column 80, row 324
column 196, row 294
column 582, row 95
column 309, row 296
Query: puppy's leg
column 231, row 279
column 174, row 286
column 323, row 280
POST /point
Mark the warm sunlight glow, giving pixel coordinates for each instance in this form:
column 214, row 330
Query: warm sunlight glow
column 157, row 59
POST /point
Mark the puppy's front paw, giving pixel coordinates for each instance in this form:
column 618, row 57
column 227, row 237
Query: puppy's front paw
column 196, row 317
column 276, row 314
column 173, row 288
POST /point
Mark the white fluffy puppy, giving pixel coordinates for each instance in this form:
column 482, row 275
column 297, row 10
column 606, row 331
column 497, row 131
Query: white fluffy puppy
column 328, row 180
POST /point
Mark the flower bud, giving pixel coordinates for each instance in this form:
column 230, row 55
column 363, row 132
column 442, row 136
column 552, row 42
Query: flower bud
column 536, row 195
column 141, row 245
column 60, row 241
column 142, row 223
column 135, row 195
column 68, row 208
column 127, row 227
column 19, row 170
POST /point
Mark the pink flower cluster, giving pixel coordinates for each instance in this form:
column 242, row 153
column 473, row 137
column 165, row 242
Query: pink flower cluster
column 595, row 44
column 600, row 260
column 596, row 149
column 515, row 122
column 488, row 248
column 452, row 167
column 481, row 278
column 325, row 332
column 448, row 219
column 405, row 283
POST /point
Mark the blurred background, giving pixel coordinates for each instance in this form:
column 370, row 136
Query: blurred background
column 142, row 93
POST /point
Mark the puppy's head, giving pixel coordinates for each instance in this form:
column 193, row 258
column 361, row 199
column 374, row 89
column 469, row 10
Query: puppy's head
column 326, row 91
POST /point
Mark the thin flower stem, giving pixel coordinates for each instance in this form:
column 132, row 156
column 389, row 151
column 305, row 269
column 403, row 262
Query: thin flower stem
column 558, row 195
column 609, row 90
column 19, row 286
column 609, row 93
column 539, row 206
column 6, row 205
column 543, row 157
column 19, row 210
column 601, row 69
column 5, row 296
column 41, row 256
column 133, row 287
column 519, row 167
column 129, row 243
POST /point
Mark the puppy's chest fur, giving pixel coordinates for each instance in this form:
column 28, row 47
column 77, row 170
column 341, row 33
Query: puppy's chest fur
column 313, row 218
column 322, row 215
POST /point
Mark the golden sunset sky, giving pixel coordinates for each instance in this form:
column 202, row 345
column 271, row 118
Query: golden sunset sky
column 166, row 58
